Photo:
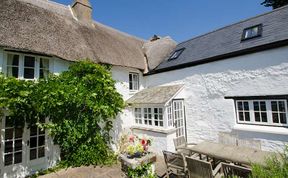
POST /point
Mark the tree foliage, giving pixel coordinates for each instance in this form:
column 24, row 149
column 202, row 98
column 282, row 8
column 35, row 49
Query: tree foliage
column 80, row 103
column 274, row 3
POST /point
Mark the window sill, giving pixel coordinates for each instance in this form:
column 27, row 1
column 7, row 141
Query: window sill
column 154, row 129
column 262, row 129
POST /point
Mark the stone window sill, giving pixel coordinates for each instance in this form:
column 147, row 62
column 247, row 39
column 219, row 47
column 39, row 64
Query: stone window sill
column 153, row 129
column 262, row 129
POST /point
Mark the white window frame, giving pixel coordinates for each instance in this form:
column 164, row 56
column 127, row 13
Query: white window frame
column 138, row 115
column 268, row 112
column 159, row 115
column 149, row 117
column 21, row 64
column 135, row 83
column 170, row 120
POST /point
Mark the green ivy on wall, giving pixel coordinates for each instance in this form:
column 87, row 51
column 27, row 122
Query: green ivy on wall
column 80, row 103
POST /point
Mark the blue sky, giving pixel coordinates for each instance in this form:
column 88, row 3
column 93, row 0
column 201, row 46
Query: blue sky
column 180, row 19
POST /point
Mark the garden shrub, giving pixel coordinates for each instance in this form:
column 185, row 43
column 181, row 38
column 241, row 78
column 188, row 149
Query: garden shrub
column 80, row 103
column 276, row 167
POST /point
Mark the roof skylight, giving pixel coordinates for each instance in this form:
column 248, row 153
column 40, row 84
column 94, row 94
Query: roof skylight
column 176, row 54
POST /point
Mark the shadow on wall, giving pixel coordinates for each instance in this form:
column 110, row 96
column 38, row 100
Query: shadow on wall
column 269, row 141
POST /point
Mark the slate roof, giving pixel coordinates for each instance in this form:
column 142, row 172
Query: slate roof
column 155, row 95
column 226, row 42
column 48, row 28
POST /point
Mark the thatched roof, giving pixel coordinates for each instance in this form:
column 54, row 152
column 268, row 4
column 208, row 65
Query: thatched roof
column 157, row 50
column 49, row 28
column 155, row 95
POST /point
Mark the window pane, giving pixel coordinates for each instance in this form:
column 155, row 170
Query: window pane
column 156, row 123
column 241, row 116
column 281, row 106
column 263, row 105
column 13, row 60
column 33, row 154
column 12, row 72
column 17, row 157
column 41, row 141
column 28, row 73
column 8, row 134
column 29, row 61
column 264, row 117
column 33, row 142
column 240, row 106
column 13, row 65
column 247, row 116
column 274, row 106
column 43, row 73
column 256, row 106
column 257, row 116
column 8, row 159
column 246, row 106
column 41, row 152
column 275, row 118
column 33, row 130
column 8, row 147
column 283, row 118
column 18, row 132
column 18, row 145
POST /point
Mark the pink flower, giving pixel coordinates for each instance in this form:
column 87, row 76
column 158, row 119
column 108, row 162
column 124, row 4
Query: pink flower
column 131, row 138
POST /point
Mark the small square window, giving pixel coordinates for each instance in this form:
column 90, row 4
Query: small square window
column 252, row 32
column 176, row 54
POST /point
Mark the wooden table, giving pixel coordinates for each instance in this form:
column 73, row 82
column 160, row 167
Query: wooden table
column 231, row 153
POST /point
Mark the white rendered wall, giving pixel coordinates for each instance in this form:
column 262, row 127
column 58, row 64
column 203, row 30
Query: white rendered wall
column 207, row 112
column 125, row 119
column 160, row 140
column 58, row 65
column 121, row 75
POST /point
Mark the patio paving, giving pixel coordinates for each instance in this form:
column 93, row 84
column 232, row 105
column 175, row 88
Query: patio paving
column 101, row 172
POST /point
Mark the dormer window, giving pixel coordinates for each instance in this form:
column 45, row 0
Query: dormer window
column 176, row 54
column 252, row 32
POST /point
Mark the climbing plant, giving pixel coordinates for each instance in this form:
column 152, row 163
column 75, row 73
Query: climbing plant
column 80, row 103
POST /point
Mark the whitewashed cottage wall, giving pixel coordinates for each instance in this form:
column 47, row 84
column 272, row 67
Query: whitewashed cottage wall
column 125, row 119
column 207, row 112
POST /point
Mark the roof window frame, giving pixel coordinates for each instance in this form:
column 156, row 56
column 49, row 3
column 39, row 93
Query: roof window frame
column 259, row 32
column 173, row 57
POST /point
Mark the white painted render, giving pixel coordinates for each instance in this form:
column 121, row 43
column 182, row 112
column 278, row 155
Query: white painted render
column 206, row 85
column 121, row 76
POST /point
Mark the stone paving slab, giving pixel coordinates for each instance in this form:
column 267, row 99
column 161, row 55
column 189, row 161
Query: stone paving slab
column 88, row 172
column 101, row 172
